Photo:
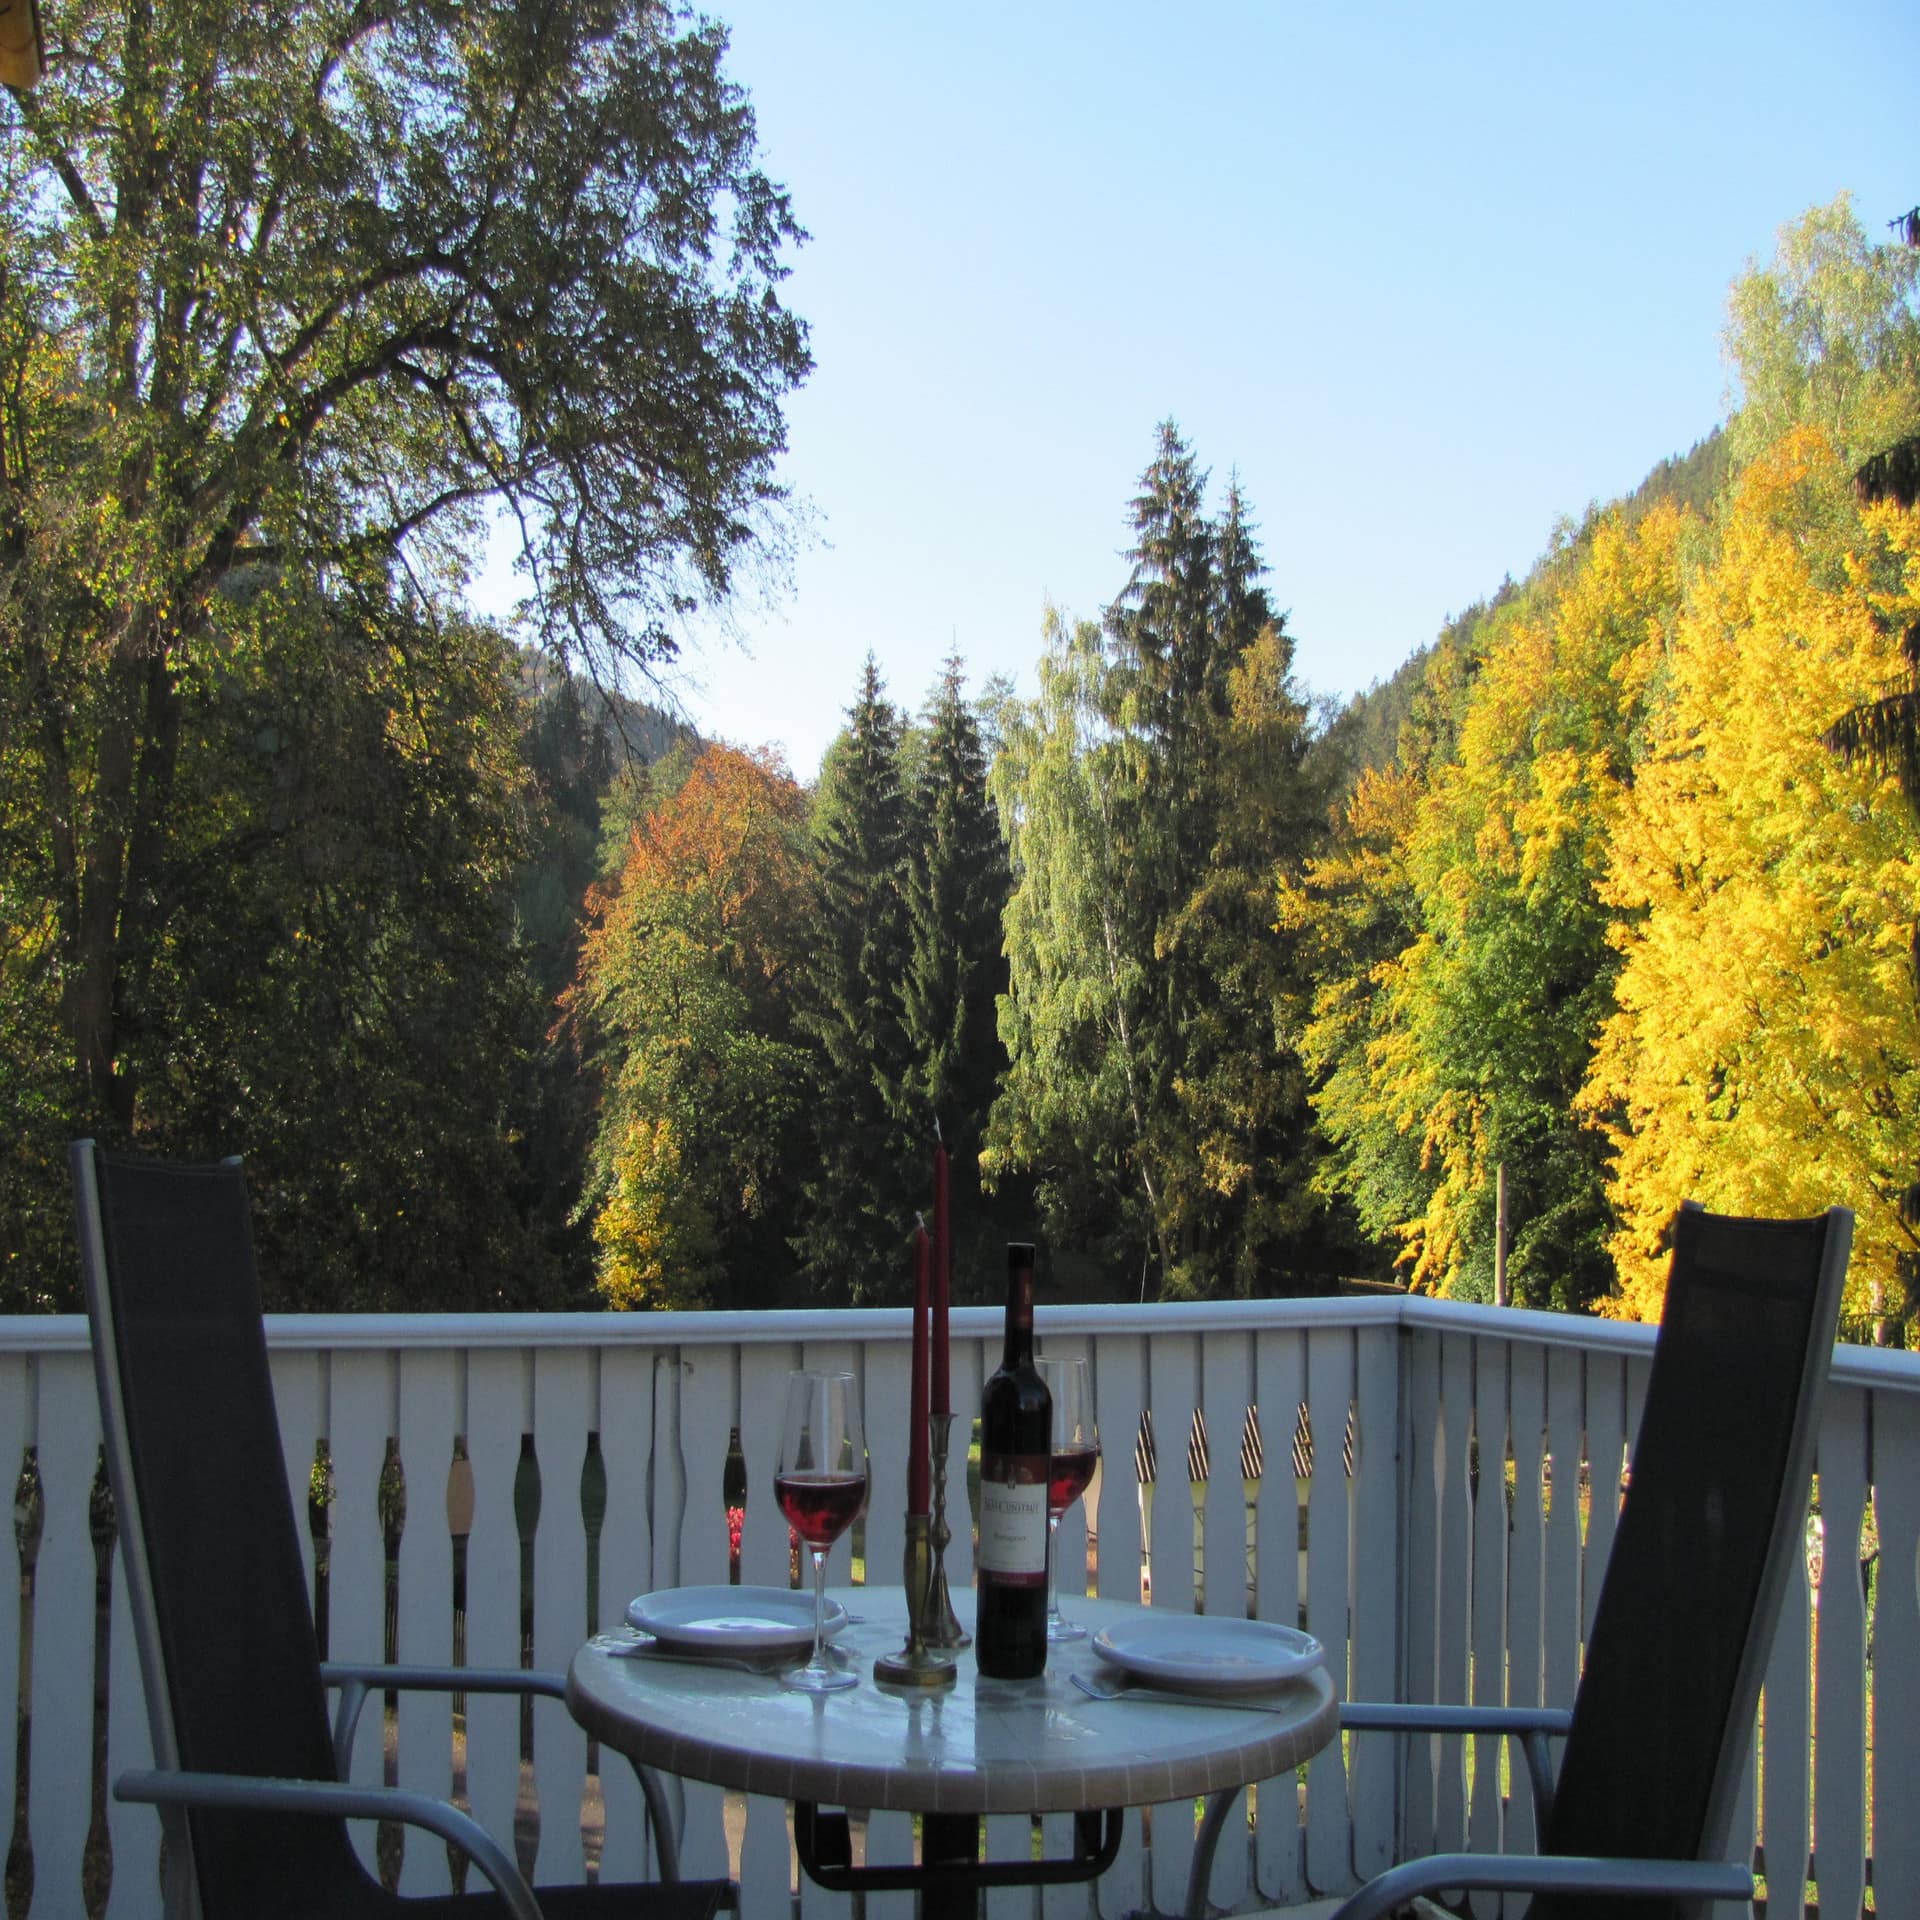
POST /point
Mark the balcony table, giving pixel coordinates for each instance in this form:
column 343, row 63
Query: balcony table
column 977, row 1748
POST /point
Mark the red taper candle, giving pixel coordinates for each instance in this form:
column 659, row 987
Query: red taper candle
column 942, row 1275
column 919, row 1488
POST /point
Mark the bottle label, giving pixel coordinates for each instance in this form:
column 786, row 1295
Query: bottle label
column 1013, row 1519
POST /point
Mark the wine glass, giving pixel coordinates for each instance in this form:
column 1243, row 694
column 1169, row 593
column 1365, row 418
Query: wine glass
column 1076, row 1452
column 820, row 1483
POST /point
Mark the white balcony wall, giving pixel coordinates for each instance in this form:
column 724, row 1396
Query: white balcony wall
column 1400, row 1546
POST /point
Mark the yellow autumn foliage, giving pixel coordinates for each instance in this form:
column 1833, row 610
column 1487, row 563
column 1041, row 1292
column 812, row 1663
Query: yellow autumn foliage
column 1764, row 1054
column 1489, row 1003
column 658, row 1248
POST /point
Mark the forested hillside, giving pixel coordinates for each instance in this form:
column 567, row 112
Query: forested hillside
column 1629, row 911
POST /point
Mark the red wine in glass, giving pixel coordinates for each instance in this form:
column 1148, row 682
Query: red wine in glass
column 820, row 1507
column 1071, row 1470
column 820, row 1483
column 1074, row 1453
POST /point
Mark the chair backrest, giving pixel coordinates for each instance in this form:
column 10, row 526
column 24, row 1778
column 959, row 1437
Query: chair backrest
column 207, row 1527
column 1714, row 1518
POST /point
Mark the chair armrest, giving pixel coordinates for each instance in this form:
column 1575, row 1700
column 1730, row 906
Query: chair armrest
column 1452, row 1719
column 1546, row 1873
column 330, row 1799
column 356, row 1682
column 1531, row 1726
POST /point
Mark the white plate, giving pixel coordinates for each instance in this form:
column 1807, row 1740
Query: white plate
column 1208, row 1653
column 732, row 1619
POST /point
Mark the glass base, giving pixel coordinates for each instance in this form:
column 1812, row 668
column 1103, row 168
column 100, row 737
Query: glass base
column 812, row 1679
column 1059, row 1629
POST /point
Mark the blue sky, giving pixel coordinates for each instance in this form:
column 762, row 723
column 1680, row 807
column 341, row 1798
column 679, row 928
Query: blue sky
column 1427, row 279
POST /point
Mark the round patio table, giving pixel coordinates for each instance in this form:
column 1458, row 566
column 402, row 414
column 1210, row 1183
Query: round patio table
column 980, row 1747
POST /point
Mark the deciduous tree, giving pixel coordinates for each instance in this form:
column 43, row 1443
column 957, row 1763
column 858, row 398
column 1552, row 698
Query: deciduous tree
column 288, row 292
column 683, row 1005
column 1765, row 1050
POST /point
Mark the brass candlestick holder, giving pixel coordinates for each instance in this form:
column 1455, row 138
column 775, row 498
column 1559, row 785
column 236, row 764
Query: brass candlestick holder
column 915, row 1665
column 941, row 1627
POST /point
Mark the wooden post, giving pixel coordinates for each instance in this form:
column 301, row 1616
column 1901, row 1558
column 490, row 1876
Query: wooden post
column 1500, row 1235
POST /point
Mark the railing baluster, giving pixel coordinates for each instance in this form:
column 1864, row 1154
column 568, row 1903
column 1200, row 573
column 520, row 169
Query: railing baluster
column 1563, row 1621
column 1839, row 1738
column 1786, row 1718
column 133, row 1830
column 561, row 1404
column 61, row 1752
column 17, row 1380
column 1607, row 1432
column 1226, row 1378
column 299, row 1398
column 1424, row 1479
column 428, row 1421
column 888, row 1382
column 706, row 1380
column 359, row 1403
column 1173, row 1363
column 767, row 1866
column 496, row 1416
column 1119, row 1392
column 1329, row 1520
column 1377, row 1522
column 628, row 1377
column 1455, row 1520
column 1896, row 1654
column 1526, row 1440
column 1485, row 1825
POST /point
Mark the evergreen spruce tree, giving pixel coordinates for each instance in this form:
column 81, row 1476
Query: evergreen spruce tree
column 957, row 886
column 1159, row 785
column 865, row 1179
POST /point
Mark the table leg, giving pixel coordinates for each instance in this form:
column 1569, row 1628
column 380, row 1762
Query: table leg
column 949, row 1840
column 1212, row 1823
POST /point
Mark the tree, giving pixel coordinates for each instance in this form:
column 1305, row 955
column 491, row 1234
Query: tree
column 1154, row 1083
column 1462, row 944
column 1354, row 910
column 335, row 987
column 1074, row 1109
column 1765, row 1054
column 1827, row 336
column 683, row 1007
column 288, row 292
column 957, row 882
column 865, row 1178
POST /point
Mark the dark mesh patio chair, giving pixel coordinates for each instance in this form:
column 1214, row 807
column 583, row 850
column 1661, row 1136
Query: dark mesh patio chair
column 247, row 1773
column 1638, row 1822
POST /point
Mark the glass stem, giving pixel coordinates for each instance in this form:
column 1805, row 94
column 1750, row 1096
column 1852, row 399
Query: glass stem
column 819, row 1660
column 1053, row 1586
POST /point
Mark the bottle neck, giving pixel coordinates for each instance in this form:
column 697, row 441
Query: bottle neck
column 1019, row 1348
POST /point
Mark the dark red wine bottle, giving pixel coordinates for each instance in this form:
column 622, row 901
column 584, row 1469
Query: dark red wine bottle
column 1016, row 1436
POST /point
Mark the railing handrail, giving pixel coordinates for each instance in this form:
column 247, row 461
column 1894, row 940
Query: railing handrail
column 1859, row 1366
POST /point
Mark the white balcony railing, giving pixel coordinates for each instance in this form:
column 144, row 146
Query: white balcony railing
column 556, row 1465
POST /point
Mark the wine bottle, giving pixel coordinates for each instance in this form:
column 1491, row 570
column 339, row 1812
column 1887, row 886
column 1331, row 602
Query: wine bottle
column 1016, row 1438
